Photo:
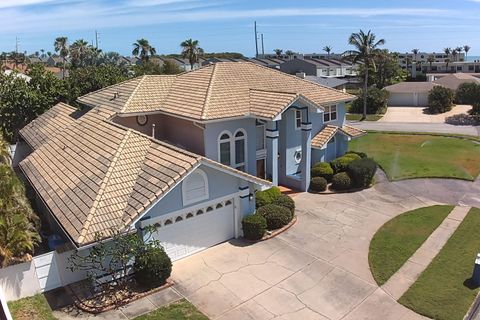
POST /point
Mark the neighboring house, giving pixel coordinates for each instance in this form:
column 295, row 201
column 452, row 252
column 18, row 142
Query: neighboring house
column 319, row 67
column 34, row 59
column 452, row 67
column 422, row 58
column 454, row 80
column 335, row 83
column 409, row 94
column 184, row 153
column 55, row 61
column 270, row 63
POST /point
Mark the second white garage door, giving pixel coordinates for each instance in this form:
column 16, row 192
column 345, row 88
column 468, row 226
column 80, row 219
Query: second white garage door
column 196, row 229
column 401, row 99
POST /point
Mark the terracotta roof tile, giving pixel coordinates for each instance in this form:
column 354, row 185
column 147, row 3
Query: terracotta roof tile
column 324, row 135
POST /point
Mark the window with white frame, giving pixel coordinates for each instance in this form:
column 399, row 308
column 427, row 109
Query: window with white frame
column 330, row 114
column 298, row 119
column 195, row 187
column 260, row 143
column 240, row 147
column 232, row 150
column 224, row 147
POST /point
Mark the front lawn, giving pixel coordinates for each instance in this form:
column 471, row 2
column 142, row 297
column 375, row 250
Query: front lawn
column 358, row 117
column 405, row 156
column 398, row 239
column 31, row 308
column 443, row 291
column 180, row 310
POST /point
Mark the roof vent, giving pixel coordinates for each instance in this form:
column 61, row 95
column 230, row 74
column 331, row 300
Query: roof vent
column 116, row 95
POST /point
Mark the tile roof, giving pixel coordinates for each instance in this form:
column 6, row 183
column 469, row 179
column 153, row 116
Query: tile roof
column 216, row 91
column 96, row 176
column 324, row 135
column 48, row 124
column 454, row 80
column 410, row 87
column 328, row 82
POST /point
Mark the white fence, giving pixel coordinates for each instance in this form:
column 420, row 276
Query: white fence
column 45, row 272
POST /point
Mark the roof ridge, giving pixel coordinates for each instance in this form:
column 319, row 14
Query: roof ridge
column 101, row 191
column 209, row 91
column 133, row 93
column 107, row 87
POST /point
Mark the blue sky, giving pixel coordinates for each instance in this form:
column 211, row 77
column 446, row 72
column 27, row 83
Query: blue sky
column 227, row 25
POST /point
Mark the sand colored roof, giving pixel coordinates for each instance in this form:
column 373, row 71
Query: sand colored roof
column 454, row 80
column 48, row 124
column 216, row 91
column 327, row 133
column 410, row 87
column 96, row 176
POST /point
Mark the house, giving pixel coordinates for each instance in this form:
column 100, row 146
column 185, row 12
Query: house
column 184, row 152
column 454, row 80
column 34, row 59
column 452, row 67
column 409, row 94
column 319, row 67
column 270, row 63
column 335, row 83
column 55, row 61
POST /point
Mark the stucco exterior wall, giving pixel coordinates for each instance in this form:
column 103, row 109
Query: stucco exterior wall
column 19, row 281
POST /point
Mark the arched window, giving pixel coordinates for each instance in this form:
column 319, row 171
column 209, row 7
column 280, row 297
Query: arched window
column 218, row 206
column 189, row 215
column 178, row 219
column 224, row 148
column 167, row 222
column 240, row 150
column 195, row 187
column 209, row 209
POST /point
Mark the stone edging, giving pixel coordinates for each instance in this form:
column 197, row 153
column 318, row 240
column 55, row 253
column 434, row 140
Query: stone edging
column 330, row 191
column 275, row 232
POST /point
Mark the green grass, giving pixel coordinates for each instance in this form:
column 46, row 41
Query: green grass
column 31, row 308
column 406, row 156
column 181, row 310
column 357, row 117
column 442, row 291
column 398, row 239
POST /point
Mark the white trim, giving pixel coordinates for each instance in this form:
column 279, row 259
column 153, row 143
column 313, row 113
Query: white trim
column 212, row 165
column 296, row 112
column 306, row 126
column 245, row 149
column 272, row 134
column 329, row 108
column 186, row 201
column 261, row 154
column 219, row 141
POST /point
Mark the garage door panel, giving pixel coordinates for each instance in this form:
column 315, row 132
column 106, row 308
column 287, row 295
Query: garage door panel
column 401, row 99
column 199, row 232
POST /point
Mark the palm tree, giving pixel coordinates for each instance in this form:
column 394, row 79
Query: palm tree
column 191, row 50
column 78, row 52
column 327, row 49
column 459, row 50
column 447, row 61
column 366, row 48
column 289, row 53
column 466, row 48
column 454, row 54
column 143, row 50
column 278, row 53
column 430, row 60
column 415, row 52
column 447, row 51
column 61, row 46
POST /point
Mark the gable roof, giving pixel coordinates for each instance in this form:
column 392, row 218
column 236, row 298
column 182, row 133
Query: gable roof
column 327, row 133
column 216, row 91
column 96, row 176
column 410, row 87
column 328, row 82
column 454, row 80
column 48, row 124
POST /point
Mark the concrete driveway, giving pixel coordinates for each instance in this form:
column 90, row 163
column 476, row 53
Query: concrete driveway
column 318, row 269
column 417, row 115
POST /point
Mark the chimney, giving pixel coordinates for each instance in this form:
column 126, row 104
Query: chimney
column 301, row 75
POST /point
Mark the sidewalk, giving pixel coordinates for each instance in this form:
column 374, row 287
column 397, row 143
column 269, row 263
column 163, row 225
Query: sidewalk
column 399, row 283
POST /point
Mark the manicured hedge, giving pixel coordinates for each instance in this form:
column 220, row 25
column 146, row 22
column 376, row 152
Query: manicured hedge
column 340, row 164
column 362, row 171
column 153, row 267
column 254, row 227
column 322, row 169
column 440, row 100
column 360, row 154
column 276, row 216
column 341, row 181
column 267, row 196
column 287, row 202
column 318, row 184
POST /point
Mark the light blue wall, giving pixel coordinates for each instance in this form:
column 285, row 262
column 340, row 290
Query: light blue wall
column 213, row 130
column 220, row 184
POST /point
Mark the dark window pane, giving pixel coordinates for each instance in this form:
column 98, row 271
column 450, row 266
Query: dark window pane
column 225, row 153
column 239, row 134
column 240, row 151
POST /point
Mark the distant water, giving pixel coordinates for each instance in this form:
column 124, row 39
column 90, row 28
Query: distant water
column 472, row 58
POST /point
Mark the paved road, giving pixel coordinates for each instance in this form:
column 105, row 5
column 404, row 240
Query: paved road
column 318, row 269
column 416, row 127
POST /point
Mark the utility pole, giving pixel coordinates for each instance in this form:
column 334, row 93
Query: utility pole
column 16, row 44
column 96, row 39
column 256, row 39
column 263, row 49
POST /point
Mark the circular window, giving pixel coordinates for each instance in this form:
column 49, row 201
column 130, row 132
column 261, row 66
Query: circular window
column 298, row 156
column 142, row 120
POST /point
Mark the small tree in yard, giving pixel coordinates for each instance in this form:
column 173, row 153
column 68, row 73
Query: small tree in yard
column 114, row 258
column 440, row 100
column 376, row 102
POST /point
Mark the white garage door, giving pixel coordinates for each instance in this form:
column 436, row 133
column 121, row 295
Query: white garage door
column 401, row 99
column 196, row 229
column 423, row 99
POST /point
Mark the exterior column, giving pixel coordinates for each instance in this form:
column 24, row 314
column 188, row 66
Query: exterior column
column 306, row 163
column 272, row 150
column 244, row 207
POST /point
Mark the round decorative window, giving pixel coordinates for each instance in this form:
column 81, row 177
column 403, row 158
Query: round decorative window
column 298, row 156
column 142, row 120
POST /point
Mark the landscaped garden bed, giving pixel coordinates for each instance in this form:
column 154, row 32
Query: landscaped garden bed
column 351, row 172
column 180, row 310
column 31, row 308
column 398, row 239
column 444, row 289
column 406, row 156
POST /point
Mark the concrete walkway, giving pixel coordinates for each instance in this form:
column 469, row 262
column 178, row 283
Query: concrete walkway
column 399, row 283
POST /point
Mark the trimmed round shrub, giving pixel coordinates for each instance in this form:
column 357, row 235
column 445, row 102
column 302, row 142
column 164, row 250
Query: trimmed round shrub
column 341, row 181
column 276, row 216
column 152, row 267
column 322, row 169
column 362, row 172
column 318, row 184
column 377, row 100
column 440, row 100
column 265, row 197
column 340, row 164
column 360, row 154
column 254, row 227
column 287, row 202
